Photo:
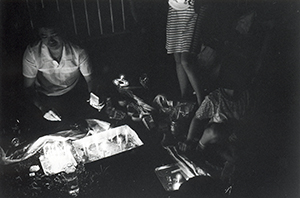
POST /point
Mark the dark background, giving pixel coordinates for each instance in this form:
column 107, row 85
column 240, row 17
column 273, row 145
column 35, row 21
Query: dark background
column 140, row 49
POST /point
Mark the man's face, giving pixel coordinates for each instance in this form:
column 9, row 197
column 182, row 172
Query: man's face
column 50, row 38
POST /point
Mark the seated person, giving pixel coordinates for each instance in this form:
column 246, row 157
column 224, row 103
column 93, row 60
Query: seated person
column 53, row 71
column 222, row 108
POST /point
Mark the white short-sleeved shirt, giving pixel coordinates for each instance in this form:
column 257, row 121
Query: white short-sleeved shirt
column 55, row 78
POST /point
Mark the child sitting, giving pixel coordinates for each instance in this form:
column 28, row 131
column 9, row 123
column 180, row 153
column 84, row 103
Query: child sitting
column 222, row 109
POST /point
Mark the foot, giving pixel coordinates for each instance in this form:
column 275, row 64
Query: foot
column 227, row 172
column 168, row 140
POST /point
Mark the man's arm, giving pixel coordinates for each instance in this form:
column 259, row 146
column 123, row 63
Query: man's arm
column 29, row 75
column 89, row 81
column 32, row 96
column 30, row 70
column 86, row 70
column 28, row 82
column 31, row 93
column 95, row 101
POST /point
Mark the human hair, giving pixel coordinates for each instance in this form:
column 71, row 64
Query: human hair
column 236, row 71
column 48, row 18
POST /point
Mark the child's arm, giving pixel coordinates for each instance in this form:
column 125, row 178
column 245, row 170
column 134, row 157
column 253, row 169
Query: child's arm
column 194, row 134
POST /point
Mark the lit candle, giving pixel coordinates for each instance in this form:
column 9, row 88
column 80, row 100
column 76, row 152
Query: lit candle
column 65, row 147
column 126, row 137
column 119, row 141
column 96, row 144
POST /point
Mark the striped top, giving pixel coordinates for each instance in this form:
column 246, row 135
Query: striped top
column 180, row 29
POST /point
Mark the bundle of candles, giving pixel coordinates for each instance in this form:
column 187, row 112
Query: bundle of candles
column 107, row 143
column 60, row 154
column 57, row 157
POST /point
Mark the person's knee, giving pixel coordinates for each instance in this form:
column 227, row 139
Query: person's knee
column 187, row 65
column 209, row 132
column 187, row 61
column 210, row 135
column 184, row 63
column 177, row 58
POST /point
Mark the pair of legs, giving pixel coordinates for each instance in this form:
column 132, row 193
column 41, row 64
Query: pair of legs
column 187, row 74
column 71, row 106
column 218, row 133
column 213, row 133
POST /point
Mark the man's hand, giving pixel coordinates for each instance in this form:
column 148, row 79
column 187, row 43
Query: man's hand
column 95, row 102
column 51, row 115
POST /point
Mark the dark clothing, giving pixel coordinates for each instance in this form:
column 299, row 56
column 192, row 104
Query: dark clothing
column 72, row 107
column 70, row 104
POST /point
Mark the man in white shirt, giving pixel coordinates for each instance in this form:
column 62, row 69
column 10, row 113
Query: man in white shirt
column 52, row 70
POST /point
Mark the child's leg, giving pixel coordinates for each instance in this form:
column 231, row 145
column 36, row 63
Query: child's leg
column 189, row 66
column 195, row 131
column 218, row 133
column 212, row 134
column 181, row 75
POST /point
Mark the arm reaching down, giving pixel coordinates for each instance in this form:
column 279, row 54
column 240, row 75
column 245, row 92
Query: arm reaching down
column 194, row 134
column 31, row 94
column 89, row 82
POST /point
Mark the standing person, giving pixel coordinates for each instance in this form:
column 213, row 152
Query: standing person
column 57, row 74
column 179, row 32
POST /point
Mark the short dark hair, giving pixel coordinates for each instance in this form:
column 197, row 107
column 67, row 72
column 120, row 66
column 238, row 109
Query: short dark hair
column 48, row 18
column 236, row 72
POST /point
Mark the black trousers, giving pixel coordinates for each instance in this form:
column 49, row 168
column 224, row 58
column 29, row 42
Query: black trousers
column 72, row 107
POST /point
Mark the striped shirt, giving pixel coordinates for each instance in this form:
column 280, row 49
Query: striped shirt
column 180, row 29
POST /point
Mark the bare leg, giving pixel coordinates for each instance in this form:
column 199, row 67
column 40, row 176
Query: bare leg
column 214, row 133
column 189, row 67
column 209, row 137
column 181, row 75
column 195, row 131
